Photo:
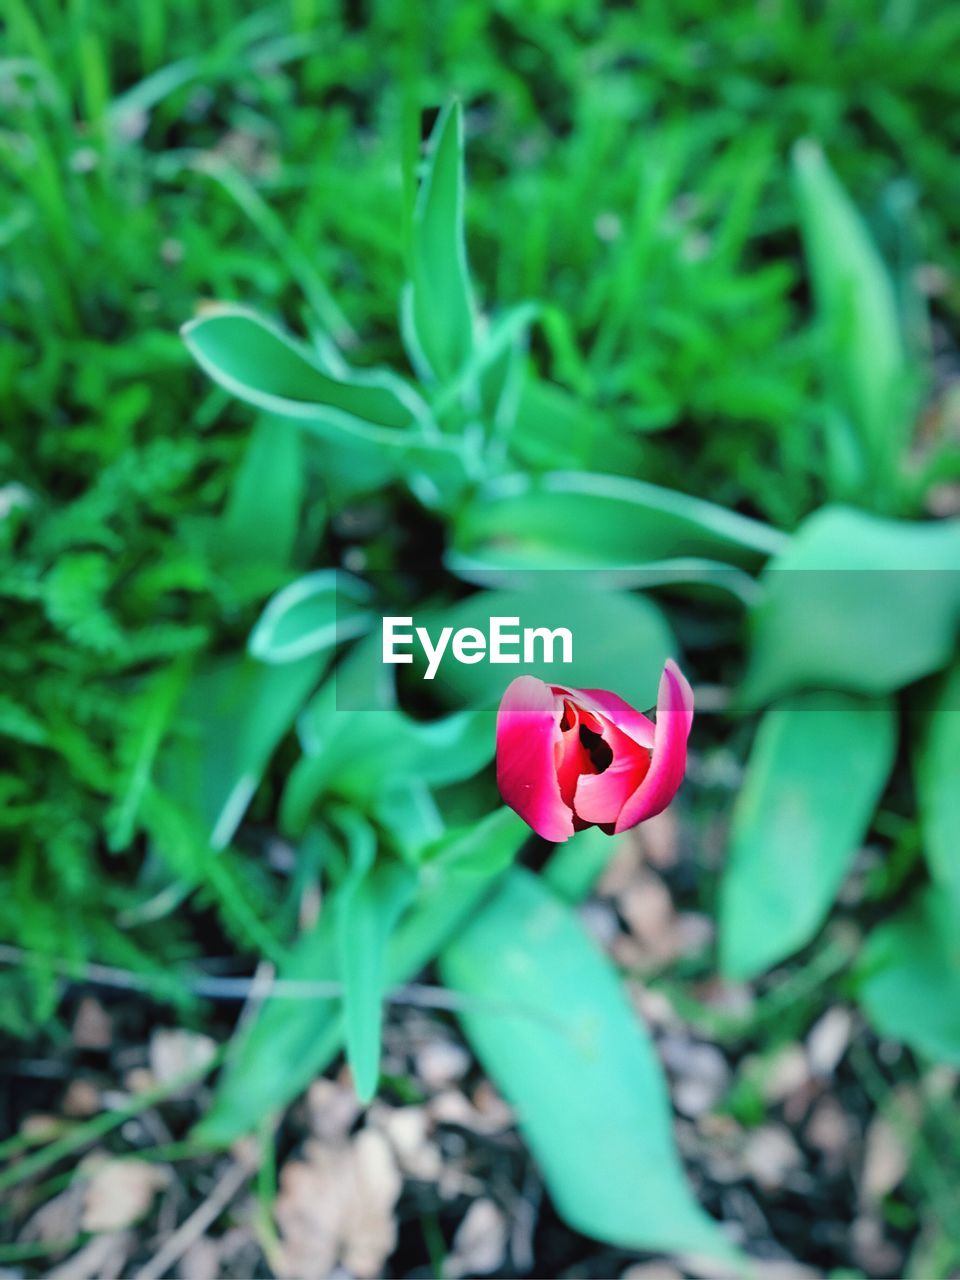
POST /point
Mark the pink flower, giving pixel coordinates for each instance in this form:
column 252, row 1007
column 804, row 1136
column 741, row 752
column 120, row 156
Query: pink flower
column 574, row 758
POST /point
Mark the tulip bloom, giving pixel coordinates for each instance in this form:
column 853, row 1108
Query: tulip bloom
column 574, row 758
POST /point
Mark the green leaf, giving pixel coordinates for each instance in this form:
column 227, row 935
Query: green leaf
column 910, row 969
column 563, row 1044
column 357, row 754
column 484, row 849
column 262, row 515
column 555, row 430
column 312, row 614
column 289, row 1041
column 576, row 865
column 937, row 768
column 439, row 303
column 855, row 602
column 818, row 766
column 259, row 363
column 865, row 359
column 367, row 911
column 620, row 641
column 278, row 1051
column 232, row 717
column 569, row 520
column 373, row 415
column 409, row 816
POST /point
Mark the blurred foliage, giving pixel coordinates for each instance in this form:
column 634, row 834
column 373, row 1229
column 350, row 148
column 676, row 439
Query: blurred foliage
column 692, row 318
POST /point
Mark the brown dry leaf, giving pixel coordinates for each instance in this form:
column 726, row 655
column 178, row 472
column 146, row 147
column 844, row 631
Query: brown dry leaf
column 693, row 933
column 441, row 1062
column 41, row 1127
column 885, row 1160
column 174, row 1052
column 92, row 1026
column 828, row 1041
column 102, row 1258
column 488, row 1114
column 407, row 1129
column 201, row 1261
column 120, row 1193
column 480, row 1243
column 621, row 869
column 58, row 1218
column 654, row 1007
column 783, row 1074
column 81, row 1099
column 830, row 1130
column 336, row 1206
column 659, row 839
column 872, row 1250
column 771, row 1155
column 699, row 1071
column 333, row 1109
column 943, row 501
column 497, row 1115
column 651, row 1271
column 647, row 908
column 139, row 1080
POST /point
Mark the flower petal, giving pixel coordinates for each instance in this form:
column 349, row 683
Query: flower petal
column 669, row 760
column 528, row 729
column 599, row 797
column 633, row 723
column 570, row 755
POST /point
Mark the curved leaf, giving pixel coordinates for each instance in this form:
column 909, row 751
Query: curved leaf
column 259, row 363
column 375, row 415
column 358, row 754
column 855, row 602
column 910, row 971
column 570, row 520
column 314, row 613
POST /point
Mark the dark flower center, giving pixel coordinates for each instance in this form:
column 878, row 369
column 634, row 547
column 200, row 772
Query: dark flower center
column 599, row 752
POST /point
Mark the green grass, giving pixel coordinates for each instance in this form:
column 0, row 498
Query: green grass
column 628, row 167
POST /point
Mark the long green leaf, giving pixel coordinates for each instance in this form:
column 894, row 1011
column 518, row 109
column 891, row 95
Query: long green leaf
column 563, row 1044
column 262, row 515
column 569, row 520
column 937, row 768
column 260, row 364
column 233, row 715
column 290, row 1041
column 367, row 912
column 439, row 322
column 864, row 355
column 816, row 771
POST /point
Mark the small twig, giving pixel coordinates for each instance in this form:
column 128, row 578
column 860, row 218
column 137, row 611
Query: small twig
column 193, row 1227
column 211, row 987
